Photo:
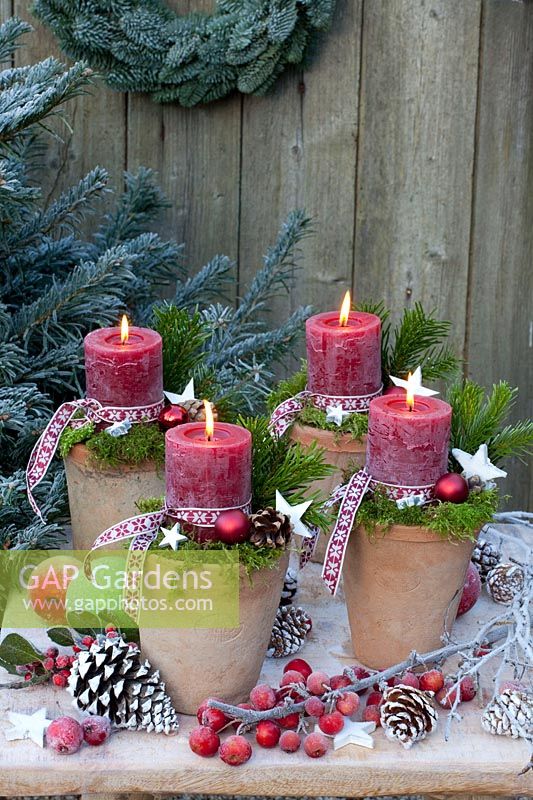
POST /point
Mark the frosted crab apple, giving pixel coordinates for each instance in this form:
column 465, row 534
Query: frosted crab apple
column 236, row 750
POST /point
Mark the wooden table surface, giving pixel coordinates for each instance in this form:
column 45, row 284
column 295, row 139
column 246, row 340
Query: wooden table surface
column 472, row 762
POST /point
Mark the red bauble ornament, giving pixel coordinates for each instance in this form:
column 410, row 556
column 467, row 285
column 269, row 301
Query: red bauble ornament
column 232, row 527
column 471, row 590
column 451, row 488
column 171, row 416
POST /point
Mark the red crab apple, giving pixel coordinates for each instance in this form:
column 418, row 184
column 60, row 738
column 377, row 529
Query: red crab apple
column 236, row 750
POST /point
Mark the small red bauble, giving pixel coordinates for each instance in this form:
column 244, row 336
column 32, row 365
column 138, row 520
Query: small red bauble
column 451, row 488
column 300, row 666
column 232, row 527
column 471, row 590
column 171, row 416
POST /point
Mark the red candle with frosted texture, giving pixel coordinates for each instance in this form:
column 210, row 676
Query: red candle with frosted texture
column 344, row 360
column 208, row 473
column 408, row 448
column 124, row 374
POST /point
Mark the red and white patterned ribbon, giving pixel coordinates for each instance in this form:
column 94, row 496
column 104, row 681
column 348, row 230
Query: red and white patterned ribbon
column 350, row 496
column 142, row 529
column 283, row 416
column 45, row 448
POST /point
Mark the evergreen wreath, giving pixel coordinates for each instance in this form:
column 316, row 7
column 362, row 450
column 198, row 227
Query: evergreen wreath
column 143, row 46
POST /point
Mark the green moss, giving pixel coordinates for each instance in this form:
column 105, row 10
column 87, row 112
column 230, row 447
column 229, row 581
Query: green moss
column 147, row 505
column 451, row 520
column 144, row 442
column 356, row 425
column 72, row 436
column 288, row 388
column 252, row 558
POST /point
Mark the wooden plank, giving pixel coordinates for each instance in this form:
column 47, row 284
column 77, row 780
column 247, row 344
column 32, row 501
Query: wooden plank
column 6, row 10
column 299, row 150
column 97, row 121
column 416, row 152
column 500, row 330
column 197, row 155
column 472, row 762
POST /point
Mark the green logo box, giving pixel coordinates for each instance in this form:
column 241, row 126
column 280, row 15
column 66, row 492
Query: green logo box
column 91, row 589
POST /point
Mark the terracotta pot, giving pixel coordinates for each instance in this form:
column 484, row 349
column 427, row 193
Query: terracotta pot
column 100, row 497
column 197, row 663
column 342, row 452
column 402, row 588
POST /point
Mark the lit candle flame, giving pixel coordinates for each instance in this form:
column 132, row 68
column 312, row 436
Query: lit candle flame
column 409, row 394
column 345, row 310
column 209, row 423
column 124, row 330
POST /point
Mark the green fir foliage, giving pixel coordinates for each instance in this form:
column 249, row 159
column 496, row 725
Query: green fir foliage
column 453, row 521
column 59, row 282
column 478, row 418
column 289, row 468
column 418, row 340
column 143, row 46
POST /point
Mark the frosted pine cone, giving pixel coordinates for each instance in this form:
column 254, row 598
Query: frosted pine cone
column 290, row 587
column 270, row 528
column 289, row 632
column 504, row 582
column 196, row 410
column 509, row 714
column 111, row 680
column 485, row 556
column 407, row 715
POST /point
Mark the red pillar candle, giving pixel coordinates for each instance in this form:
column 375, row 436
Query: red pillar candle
column 214, row 472
column 344, row 353
column 408, row 448
column 124, row 373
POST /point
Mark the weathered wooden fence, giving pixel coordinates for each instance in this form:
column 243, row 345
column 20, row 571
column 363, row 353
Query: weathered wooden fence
column 409, row 139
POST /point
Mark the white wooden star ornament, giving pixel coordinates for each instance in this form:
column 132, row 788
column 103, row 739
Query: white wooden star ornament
column 28, row 726
column 187, row 394
column 336, row 414
column 414, row 384
column 478, row 464
column 172, row 537
column 353, row 733
column 119, row 428
column 295, row 514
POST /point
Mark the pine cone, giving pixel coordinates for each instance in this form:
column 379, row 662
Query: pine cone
column 110, row 680
column 509, row 714
column 196, row 410
column 504, row 582
column 290, row 587
column 476, row 485
column 270, row 528
column 407, row 714
column 485, row 556
column 289, row 632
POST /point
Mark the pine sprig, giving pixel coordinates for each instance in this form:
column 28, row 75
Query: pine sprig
column 286, row 467
column 418, row 341
column 184, row 335
column 478, row 418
